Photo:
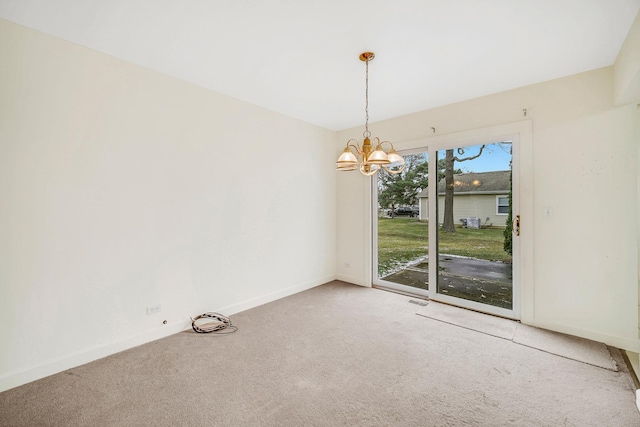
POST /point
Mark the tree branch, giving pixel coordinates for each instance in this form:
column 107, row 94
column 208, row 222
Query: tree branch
column 469, row 158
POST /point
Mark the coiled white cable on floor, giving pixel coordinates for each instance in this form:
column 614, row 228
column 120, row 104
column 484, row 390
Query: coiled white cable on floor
column 212, row 323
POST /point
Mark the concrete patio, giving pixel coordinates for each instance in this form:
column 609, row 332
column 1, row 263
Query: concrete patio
column 488, row 282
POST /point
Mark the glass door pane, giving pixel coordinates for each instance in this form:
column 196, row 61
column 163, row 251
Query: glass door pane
column 401, row 238
column 474, row 201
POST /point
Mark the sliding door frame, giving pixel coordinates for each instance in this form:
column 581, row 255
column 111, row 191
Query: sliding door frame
column 377, row 281
column 434, row 253
column 520, row 133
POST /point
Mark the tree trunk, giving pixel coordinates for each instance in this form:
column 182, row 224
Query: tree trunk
column 447, row 221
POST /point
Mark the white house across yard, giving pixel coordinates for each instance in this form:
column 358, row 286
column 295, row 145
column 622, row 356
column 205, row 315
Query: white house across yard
column 483, row 195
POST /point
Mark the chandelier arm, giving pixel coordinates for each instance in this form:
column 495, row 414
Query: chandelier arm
column 394, row 172
column 383, row 142
column 354, row 145
column 380, row 143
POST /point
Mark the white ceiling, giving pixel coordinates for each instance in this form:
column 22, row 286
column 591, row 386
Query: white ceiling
column 300, row 57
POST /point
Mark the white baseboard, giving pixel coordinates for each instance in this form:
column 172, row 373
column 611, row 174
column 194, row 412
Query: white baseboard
column 352, row 279
column 264, row 299
column 14, row 379
column 631, row 344
column 638, row 399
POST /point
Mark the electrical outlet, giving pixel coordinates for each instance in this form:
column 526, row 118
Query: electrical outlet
column 151, row 309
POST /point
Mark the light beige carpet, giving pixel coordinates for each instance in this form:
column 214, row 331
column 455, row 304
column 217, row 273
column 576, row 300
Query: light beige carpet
column 575, row 348
column 336, row 355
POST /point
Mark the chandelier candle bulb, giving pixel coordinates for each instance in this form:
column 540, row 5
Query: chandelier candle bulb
column 369, row 160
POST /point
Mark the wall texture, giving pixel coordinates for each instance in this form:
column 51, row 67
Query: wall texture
column 122, row 188
column 583, row 167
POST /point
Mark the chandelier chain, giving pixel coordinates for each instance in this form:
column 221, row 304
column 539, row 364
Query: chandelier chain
column 366, row 133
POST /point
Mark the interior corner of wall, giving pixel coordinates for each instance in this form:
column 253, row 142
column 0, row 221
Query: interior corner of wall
column 352, row 280
column 628, row 91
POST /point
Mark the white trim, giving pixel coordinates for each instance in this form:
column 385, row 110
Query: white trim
column 475, row 306
column 522, row 182
column 17, row 378
column 498, row 204
column 402, row 288
column 375, row 280
column 368, row 222
column 352, row 280
column 273, row 296
column 631, row 344
column 520, row 134
column 470, row 193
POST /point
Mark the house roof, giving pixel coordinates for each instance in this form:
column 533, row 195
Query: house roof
column 497, row 182
column 301, row 58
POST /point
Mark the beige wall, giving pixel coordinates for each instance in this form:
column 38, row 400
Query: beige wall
column 627, row 90
column 627, row 67
column 581, row 269
column 122, row 188
column 481, row 206
column 637, row 137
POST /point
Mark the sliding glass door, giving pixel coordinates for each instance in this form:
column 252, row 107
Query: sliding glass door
column 452, row 241
column 402, row 232
column 474, row 209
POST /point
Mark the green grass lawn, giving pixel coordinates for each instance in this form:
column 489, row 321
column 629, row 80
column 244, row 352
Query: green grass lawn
column 401, row 240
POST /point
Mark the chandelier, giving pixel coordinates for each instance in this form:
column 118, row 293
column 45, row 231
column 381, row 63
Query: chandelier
column 367, row 159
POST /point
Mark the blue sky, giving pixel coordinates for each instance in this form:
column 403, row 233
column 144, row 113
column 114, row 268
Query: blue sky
column 495, row 157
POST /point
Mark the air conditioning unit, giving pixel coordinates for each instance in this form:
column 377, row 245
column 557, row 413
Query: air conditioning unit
column 473, row 222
